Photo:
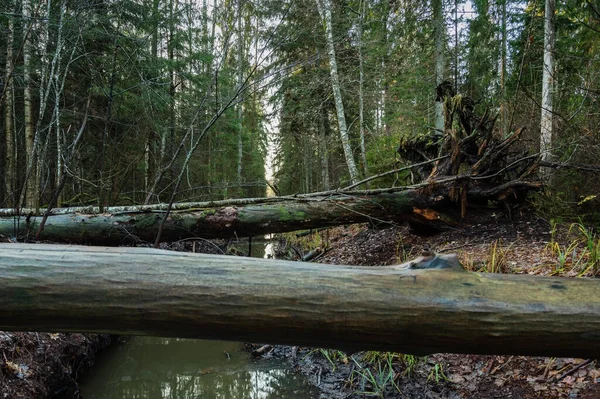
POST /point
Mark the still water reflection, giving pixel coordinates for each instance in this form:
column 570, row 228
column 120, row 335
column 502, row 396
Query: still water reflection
column 174, row 368
column 148, row 367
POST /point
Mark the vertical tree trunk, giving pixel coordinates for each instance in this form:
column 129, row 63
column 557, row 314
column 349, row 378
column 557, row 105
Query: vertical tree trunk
column 456, row 45
column 547, row 87
column 324, row 155
column 172, row 85
column 151, row 137
column 31, row 186
column 325, row 12
column 240, row 77
column 9, row 178
column 382, row 81
column 438, row 20
column 107, row 126
column 361, row 94
column 58, row 89
column 47, row 71
column 503, row 54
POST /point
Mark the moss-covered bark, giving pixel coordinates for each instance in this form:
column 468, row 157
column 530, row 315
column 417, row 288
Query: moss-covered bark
column 227, row 220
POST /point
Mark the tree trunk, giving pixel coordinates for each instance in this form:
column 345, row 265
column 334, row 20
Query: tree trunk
column 240, row 82
column 102, row 186
column 323, row 150
column 504, row 125
column 426, row 306
column 133, row 224
column 361, row 88
column 547, row 87
column 325, row 12
column 438, row 18
column 10, row 170
column 31, row 191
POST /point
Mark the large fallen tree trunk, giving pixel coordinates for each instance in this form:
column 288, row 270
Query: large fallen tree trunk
column 427, row 212
column 228, row 221
column 428, row 306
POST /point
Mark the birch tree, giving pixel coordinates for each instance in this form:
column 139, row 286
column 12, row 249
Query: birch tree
column 324, row 7
column 547, row 86
column 438, row 19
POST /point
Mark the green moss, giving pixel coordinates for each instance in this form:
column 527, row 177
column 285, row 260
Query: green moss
column 286, row 215
column 146, row 221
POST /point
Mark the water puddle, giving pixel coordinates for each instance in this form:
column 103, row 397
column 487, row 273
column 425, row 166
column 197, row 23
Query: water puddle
column 149, row 367
column 174, row 368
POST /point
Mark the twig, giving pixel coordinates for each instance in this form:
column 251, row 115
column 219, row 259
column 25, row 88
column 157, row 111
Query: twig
column 500, row 367
column 454, row 248
column 574, row 369
column 368, row 179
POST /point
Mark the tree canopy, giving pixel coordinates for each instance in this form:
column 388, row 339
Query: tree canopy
column 145, row 101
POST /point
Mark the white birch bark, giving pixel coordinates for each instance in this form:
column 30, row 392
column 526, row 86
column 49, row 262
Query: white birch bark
column 325, row 13
column 547, row 86
column 438, row 18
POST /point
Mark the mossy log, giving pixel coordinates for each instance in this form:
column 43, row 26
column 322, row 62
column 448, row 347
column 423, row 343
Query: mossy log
column 226, row 221
column 427, row 306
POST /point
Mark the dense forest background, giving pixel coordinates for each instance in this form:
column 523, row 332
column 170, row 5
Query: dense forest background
column 143, row 101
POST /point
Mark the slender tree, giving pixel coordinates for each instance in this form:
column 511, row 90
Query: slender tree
column 10, row 162
column 361, row 86
column 324, row 8
column 439, row 27
column 31, row 184
column 240, row 81
column 546, row 128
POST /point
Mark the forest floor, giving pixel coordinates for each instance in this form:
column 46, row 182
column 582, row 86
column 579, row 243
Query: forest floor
column 35, row 365
column 526, row 245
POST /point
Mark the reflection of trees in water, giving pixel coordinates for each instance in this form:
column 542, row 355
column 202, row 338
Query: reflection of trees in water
column 176, row 369
column 250, row 385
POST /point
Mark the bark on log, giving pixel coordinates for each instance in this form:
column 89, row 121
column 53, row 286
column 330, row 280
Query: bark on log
column 442, row 308
column 229, row 221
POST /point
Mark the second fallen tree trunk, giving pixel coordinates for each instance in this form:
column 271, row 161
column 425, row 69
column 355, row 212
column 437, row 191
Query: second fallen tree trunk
column 230, row 220
column 428, row 306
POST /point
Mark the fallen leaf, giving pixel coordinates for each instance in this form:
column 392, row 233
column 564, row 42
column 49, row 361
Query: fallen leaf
column 19, row 370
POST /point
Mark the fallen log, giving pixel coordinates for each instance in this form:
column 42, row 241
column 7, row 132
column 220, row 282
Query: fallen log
column 427, row 306
column 227, row 221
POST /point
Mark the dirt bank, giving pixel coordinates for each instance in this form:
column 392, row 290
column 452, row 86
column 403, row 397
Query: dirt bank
column 43, row 365
column 485, row 243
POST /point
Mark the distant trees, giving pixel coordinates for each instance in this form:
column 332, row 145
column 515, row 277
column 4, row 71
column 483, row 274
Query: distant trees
column 174, row 96
column 156, row 73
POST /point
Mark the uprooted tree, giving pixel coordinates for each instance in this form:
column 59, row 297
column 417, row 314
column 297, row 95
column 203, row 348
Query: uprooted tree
column 467, row 163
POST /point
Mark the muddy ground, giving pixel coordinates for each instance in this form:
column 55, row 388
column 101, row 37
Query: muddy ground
column 39, row 365
column 43, row 365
